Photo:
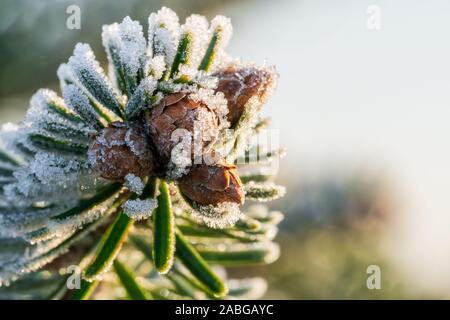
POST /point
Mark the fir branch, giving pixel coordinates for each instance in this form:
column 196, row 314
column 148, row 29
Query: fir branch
column 62, row 140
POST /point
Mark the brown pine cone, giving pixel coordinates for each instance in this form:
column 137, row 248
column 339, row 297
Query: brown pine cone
column 239, row 84
column 178, row 111
column 212, row 184
column 121, row 149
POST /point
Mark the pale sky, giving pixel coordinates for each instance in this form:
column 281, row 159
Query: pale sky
column 355, row 98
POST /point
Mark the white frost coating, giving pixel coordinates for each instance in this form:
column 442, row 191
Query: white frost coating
column 28, row 258
column 171, row 86
column 41, row 116
column 141, row 97
column 126, row 40
column 197, row 26
column 216, row 102
column 263, row 192
column 9, row 132
column 101, row 156
column 79, row 103
column 61, row 228
column 133, row 49
column 180, row 157
column 34, row 257
column 244, row 128
column 89, row 73
column 50, row 178
column 139, row 209
column 186, row 71
column 204, row 136
column 52, row 169
column 220, row 216
column 134, row 183
column 222, row 26
column 206, row 81
column 163, row 34
column 139, row 149
column 18, row 221
column 155, row 67
column 65, row 75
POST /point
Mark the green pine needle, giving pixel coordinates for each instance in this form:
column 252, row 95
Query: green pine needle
column 240, row 254
column 82, row 206
column 109, row 247
column 208, row 58
column 183, row 54
column 266, row 191
column 86, row 204
column 63, row 111
column 163, row 231
column 85, row 291
column 48, row 143
column 198, row 266
column 128, row 280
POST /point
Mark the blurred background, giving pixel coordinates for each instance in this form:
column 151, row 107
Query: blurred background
column 362, row 106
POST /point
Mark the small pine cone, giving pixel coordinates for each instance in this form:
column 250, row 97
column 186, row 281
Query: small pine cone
column 212, row 184
column 121, row 149
column 178, row 111
column 239, row 84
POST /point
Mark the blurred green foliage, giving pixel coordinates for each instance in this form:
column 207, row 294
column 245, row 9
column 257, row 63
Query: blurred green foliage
column 334, row 229
column 34, row 38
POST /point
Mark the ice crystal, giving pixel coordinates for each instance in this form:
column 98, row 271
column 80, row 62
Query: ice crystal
column 89, row 73
column 180, row 158
column 126, row 48
column 197, row 26
column 155, row 67
column 134, row 184
column 139, row 209
column 221, row 32
column 163, row 34
column 264, row 191
column 142, row 98
column 220, row 216
column 79, row 103
column 214, row 101
column 59, row 227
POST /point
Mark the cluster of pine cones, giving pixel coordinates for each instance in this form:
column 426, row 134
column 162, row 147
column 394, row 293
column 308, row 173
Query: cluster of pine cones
column 145, row 145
